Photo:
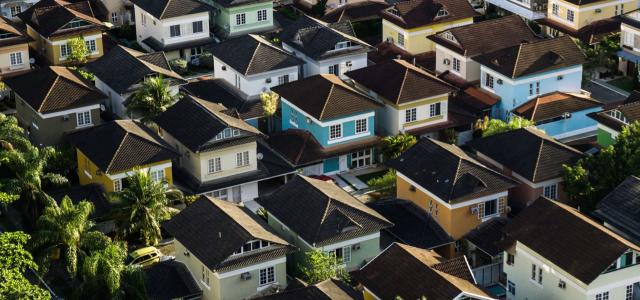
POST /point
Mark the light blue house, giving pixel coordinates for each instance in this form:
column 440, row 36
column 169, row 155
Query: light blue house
column 328, row 126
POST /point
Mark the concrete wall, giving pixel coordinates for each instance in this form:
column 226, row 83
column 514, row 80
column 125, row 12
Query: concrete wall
column 252, row 85
column 225, row 19
column 160, row 29
column 469, row 69
column 314, row 67
column 5, row 59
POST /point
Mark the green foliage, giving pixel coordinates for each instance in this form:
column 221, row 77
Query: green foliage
column 179, row 65
column 14, row 261
column 102, row 270
column 63, row 162
column 206, row 60
column 11, row 134
column 84, row 73
column 602, row 54
column 490, row 127
column 320, row 266
column 270, row 107
column 152, row 98
column 393, row 146
column 79, row 51
column 385, row 184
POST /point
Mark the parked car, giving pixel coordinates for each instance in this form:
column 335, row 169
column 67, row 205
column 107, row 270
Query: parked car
column 144, row 256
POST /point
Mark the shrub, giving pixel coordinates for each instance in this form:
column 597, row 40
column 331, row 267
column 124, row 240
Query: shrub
column 179, row 65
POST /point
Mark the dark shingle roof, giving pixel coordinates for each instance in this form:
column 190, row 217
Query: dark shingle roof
column 121, row 145
column 356, row 11
column 320, row 212
column 48, row 17
column 330, row 289
column 93, row 193
column 554, row 105
column 471, row 40
column 165, row 9
column 195, row 122
column 621, row 208
column 535, row 57
column 399, row 81
column 567, row 239
column 528, row 152
column 487, row 235
column 252, row 54
column 57, row 89
column 218, row 90
column 630, row 109
column 416, row 13
column 448, row 172
column 226, row 225
column 331, row 97
column 17, row 36
column 121, row 68
column 424, row 274
column 169, row 280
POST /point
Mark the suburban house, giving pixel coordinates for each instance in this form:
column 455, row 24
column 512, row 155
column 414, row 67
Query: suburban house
column 328, row 289
column 572, row 17
column 520, row 73
column 340, row 120
column 630, row 49
column 407, row 24
column 456, row 190
column 52, row 101
column 547, row 246
column 170, row 279
column 526, row 9
column 253, row 65
column 481, row 247
column 532, row 158
column 236, row 257
column 119, row 12
column 238, row 17
column 14, row 49
column 425, row 274
column 11, row 9
column 108, row 153
column 456, row 47
column 325, row 48
column 313, row 214
column 564, row 116
column 220, row 155
column 180, row 28
column 52, row 23
column 615, row 117
column 119, row 73
column 620, row 210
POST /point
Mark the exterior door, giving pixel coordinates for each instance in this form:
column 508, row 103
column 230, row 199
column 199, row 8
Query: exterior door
column 343, row 163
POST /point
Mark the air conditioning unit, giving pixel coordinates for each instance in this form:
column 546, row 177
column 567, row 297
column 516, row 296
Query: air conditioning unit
column 65, row 117
column 562, row 284
column 349, row 64
column 499, row 81
column 355, row 247
column 245, row 276
column 474, row 210
column 446, row 61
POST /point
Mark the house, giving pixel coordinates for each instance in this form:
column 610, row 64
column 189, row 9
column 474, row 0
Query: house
column 220, row 155
column 11, row 9
column 456, row 47
column 455, row 189
column 615, row 117
column 239, row 17
column 325, row 48
column 119, row 12
column 52, row 23
column 425, row 274
column 572, row 17
column 236, row 257
column 180, row 28
column 619, row 210
column 60, row 102
column 520, row 73
column 407, row 24
column 327, row 289
column 528, row 10
column 120, row 72
column 547, row 246
column 415, row 101
column 107, row 154
column 14, row 49
column 253, row 65
column 170, row 279
column 564, row 116
column 531, row 157
column 313, row 214
column 340, row 119
column 482, row 248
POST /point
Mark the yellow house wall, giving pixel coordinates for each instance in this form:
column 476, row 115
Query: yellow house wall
column 415, row 39
column 52, row 52
column 587, row 14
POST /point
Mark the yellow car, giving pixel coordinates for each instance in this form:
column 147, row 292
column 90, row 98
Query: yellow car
column 143, row 257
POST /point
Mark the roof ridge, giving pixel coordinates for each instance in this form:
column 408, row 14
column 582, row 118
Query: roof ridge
column 455, row 177
column 44, row 99
column 515, row 65
column 253, row 55
column 213, row 202
column 535, row 166
column 326, row 100
column 118, row 149
column 535, row 107
column 404, row 79
column 164, row 9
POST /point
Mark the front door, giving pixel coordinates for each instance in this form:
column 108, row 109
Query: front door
column 343, row 163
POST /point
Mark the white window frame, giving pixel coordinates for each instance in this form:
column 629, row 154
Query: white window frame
column 456, row 65
column 91, row 46
column 117, row 185
column 555, row 9
column 175, row 31
column 65, row 50
column 157, row 175
column 262, row 15
column 15, row 10
column 410, row 115
column 114, row 17
column 628, row 293
column 334, row 69
column 214, row 165
column 361, row 158
column 242, row 159
column 602, row 296
column 241, row 19
column 361, row 125
column 283, row 79
column 551, row 191
column 401, row 39
column 570, row 15
column 267, row 276
column 197, row 26
column 15, row 59
column 335, row 131
column 488, row 80
column 83, row 119
column 205, row 276
column 435, row 109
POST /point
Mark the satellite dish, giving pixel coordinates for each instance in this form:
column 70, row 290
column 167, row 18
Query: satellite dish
column 259, row 156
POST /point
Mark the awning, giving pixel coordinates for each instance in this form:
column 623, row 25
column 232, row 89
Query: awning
column 628, row 56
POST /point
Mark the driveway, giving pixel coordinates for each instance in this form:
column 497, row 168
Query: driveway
column 604, row 92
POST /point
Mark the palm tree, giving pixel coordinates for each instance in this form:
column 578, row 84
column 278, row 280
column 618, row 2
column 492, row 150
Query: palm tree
column 152, row 98
column 67, row 228
column 11, row 134
column 393, row 146
column 143, row 204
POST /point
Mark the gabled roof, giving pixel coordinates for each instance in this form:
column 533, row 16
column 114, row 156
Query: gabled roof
column 568, row 239
column 252, row 54
column 195, row 122
column 471, row 40
column 487, row 235
column 534, row 57
column 122, row 67
column 448, row 172
column 356, row 11
column 57, row 89
column 554, row 105
column 121, row 145
column 630, row 109
column 424, row 273
column 48, row 17
column 330, row 289
column 218, row 90
column 320, row 212
column 331, row 97
column 399, row 81
column 169, row 280
column 528, row 152
column 621, row 208
column 17, row 36
column 165, row 9
column 228, row 226
column 416, row 13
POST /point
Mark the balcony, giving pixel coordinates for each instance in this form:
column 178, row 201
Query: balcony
column 539, row 10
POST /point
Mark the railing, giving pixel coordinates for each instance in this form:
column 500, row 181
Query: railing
column 488, row 274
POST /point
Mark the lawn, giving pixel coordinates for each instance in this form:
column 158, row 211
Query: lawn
column 369, row 176
column 624, row 83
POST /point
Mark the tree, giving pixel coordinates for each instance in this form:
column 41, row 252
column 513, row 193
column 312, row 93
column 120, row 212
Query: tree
column 15, row 260
column 152, row 98
column 270, row 107
column 78, row 51
column 142, row 205
column 11, row 134
column 385, row 184
column 67, row 228
column 602, row 54
column 320, row 266
column 490, row 127
column 393, row 146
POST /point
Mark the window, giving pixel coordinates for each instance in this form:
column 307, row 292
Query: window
column 114, row 17
column 628, row 295
column 16, row 58
column 241, row 19
column 434, row 109
column 205, row 275
column 219, row 194
column 251, row 246
column 410, row 115
column 534, row 88
column 510, row 259
column 143, row 18
column 267, row 276
column 83, row 118
column 283, row 79
column 618, row 115
column 621, row 11
column 554, row 9
column 442, row 13
column 293, row 118
column 533, row 272
column 174, row 30
column 511, row 287
column 360, row 159
column 117, row 185
column 197, row 26
column 536, row 274
column 490, row 208
column 226, row 133
column 215, row 165
column 65, row 50
column 551, row 191
column 262, row 15
column 196, row 52
column 361, row 125
column 456, row 64
column 343, row 254
column 400, row 39
column 335, row 131
column 602, row 296
column 488, row 80
column 335, row 69
column 242, row 159
column 91, row 45
column 157, row 176
column 342, row 45
column 15, row 10
column 570, row 15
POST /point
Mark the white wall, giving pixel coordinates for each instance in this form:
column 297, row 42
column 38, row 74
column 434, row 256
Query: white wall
column 313, row 67
column 252, row 85
column 159, row 29
column 469, row 69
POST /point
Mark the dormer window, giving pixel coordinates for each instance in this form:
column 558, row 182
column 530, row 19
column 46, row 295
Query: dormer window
column 227, row 133
column 616, row 114
column 394, row 12
column 252, row 246
column 448, row 35
column 6, row 35
column 442, row 13
column 76, row 24
column 342, row 45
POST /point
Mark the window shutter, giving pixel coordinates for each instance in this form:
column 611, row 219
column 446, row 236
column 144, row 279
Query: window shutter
column 480, row 210
column 502, row 203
